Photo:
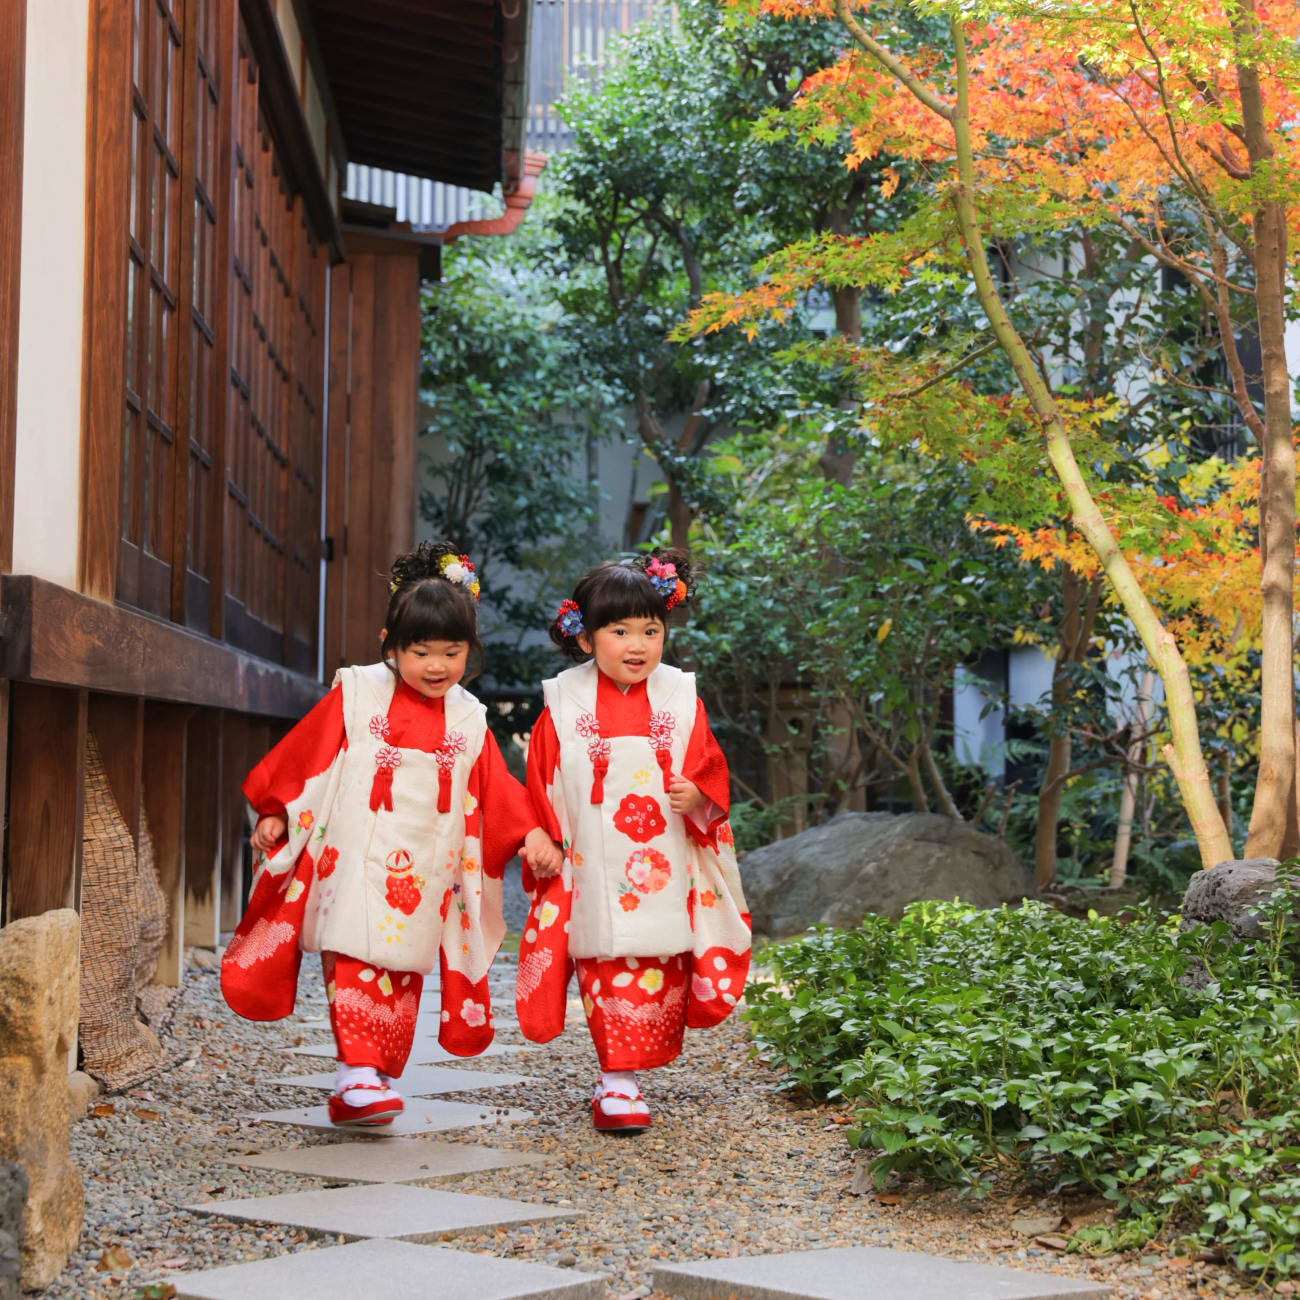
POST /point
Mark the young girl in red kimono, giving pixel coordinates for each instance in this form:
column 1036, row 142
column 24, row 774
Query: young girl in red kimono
column 385, row 820
column 647, row 904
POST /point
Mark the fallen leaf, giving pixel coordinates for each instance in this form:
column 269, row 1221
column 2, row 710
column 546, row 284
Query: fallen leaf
column 114, row 1260
column 1052, row 1242
column 841, row 1119
column 104, row 1108
column 214, row 1191
column 146, row 1114
column 176, row 1261
column 887, row 1198
column 154, row 1291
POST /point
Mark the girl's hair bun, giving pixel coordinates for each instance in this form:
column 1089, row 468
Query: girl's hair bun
column 422, row 563
column 676, row 562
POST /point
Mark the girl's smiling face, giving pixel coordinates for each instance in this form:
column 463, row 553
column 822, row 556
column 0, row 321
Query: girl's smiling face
column 627, row 651
column 432, row 668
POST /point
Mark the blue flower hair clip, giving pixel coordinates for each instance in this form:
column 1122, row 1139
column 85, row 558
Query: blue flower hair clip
column 569, row 618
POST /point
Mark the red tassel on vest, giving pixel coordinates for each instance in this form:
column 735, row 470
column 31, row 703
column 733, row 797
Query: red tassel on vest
column 387, row 761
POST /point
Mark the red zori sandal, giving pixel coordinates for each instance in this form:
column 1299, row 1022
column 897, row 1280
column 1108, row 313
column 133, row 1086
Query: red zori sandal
column 370, row 1116
column 631, row 1122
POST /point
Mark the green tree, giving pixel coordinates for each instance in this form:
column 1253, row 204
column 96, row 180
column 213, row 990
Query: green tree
column 515, row 407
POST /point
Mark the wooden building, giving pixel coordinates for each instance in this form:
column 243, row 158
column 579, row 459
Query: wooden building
column 209, row 366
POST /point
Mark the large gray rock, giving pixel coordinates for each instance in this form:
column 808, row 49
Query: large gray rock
column 876, row 862
column 1230, row 892
column 13, row 1202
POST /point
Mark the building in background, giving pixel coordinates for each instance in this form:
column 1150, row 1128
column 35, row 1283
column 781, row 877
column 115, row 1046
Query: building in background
column 209, row 366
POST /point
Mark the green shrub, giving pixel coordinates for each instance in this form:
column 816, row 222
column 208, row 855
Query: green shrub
column 1160, row 1069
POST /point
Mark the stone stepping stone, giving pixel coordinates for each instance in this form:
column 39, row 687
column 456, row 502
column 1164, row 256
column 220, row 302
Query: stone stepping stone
column 404, row 1160
column 425, row 1051
column 418, row 1117
column 397, row 1269
column 384, row 1210
column 417, row 1081
column 863, row 1273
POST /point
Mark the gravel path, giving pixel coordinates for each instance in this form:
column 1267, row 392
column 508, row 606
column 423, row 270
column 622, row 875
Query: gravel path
column 732, row 1166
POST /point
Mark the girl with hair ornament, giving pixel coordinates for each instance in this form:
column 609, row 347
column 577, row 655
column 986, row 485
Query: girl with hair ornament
column 647, row 904
column 385, row 820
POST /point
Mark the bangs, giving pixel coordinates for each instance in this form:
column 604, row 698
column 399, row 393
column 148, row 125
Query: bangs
column 433, row 611
column 621, row 592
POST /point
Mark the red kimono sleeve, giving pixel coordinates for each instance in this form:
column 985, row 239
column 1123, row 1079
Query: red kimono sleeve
column 543, row 764
column 507, row 812
column 305, row 752
column 705, row 766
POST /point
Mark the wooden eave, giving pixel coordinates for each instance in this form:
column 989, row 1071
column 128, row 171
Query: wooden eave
column 429, row 88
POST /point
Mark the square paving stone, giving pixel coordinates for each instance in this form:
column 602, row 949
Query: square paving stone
column 416, row 1081
column 418, row 1117
column 404, row 1160
column 863, row 1273
column 384, row 1210
column 396, row 1269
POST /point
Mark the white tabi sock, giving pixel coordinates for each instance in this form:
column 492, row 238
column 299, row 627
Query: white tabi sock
column 349, row 1076
column 620, row 1081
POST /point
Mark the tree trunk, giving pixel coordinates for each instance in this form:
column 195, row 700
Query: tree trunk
column 1184, row 755
column 946, row 801
column 1059, row 748
column 1137, row 754
column 838, row 459
column 679, row 517
column 1273, row 820
column 920, row 800
column 1224, row 783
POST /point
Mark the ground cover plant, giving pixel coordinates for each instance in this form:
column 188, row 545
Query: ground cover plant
column 1160, row 1069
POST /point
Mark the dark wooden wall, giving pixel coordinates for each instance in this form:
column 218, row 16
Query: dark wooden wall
column 371, row 497
column 193, row 640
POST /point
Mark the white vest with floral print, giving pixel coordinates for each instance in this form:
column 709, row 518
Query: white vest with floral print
column 394, row 884
column 631, row 859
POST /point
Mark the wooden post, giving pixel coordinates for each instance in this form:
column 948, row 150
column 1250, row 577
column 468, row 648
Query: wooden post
column 164, row 800
column 47, row 740
column 234, row 767
column 117, row 722
column 203, row 829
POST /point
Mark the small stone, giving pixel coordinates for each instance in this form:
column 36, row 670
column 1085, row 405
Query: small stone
column 1034, row 1225
column 82, row 1090
column 204, row 958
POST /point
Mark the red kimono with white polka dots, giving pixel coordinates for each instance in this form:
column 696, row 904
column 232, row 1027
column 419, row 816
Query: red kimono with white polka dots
column 373, row 1009
column 636, row 1006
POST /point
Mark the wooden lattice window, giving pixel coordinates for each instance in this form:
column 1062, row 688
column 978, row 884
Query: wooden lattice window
column 224, row 351
column 153, row 350
column 277, row 379
column 208, row 321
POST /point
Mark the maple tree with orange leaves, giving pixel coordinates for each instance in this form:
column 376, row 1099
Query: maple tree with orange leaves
column 1170, row 126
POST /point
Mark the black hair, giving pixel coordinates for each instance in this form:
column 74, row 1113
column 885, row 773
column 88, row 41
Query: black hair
column 425, row 606
column 618, row 589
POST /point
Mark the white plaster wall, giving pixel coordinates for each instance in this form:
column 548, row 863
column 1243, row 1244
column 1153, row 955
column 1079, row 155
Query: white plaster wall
column 978, row 737
column 47, row 463
column 1029, row 676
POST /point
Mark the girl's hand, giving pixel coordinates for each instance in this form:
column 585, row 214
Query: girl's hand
column 268, row 832
column 684, row 796
column 543, row 853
